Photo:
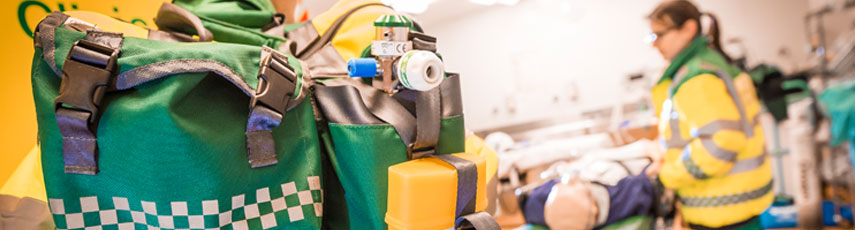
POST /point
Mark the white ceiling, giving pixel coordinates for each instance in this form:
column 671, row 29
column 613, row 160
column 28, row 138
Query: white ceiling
column 437, row 12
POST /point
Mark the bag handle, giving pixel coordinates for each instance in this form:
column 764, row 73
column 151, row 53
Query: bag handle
column 172, row 17
column 319, row 42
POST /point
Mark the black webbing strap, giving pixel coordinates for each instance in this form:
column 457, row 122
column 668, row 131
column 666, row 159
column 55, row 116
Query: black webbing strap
column 384, row 107
column 319, row 42
column 428, row 122
column 419, row 133
column 478, row 220
column 87, row 74
column 467, row 190
column 422, row 41
column 277, row 82
column 467, row 183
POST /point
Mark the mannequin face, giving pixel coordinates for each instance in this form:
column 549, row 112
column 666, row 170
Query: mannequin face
column 670, row 39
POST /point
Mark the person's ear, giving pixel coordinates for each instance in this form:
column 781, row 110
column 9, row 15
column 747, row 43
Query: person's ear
column 689, row 28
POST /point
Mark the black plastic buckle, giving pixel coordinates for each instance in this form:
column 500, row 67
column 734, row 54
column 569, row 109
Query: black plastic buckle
column 413, row 153
column 86, row 75
column 276, row 84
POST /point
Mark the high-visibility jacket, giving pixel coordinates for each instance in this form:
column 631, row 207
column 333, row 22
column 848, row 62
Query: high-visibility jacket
column 715, row 157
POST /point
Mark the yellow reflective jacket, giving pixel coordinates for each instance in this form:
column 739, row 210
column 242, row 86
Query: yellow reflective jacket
column 715, row 157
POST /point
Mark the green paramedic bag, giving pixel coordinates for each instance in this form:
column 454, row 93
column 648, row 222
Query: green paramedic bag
column 143, row 134
column 362, row 139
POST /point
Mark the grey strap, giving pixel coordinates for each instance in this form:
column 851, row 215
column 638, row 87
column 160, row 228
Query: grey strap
column 384, row 107
column 422, row 41
column 452, row 103
column 277, row 83
column 319, row 42
column 326, row 63
column 343, row 105
column 428, row 122
column 46, row 36
column 79, row 144
column 715, row 201
column 479, row 221
column 467, row 183
column 171, row 17
column 260, row 146
column 87, row 74
column 276, row 26
column 302, row 36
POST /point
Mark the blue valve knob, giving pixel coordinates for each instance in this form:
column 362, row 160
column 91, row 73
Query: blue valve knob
column 362, row 67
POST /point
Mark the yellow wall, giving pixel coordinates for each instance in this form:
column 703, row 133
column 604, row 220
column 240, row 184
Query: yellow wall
column 18, row 120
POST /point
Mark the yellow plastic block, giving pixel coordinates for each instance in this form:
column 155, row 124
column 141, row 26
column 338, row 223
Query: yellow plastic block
column 423, row 193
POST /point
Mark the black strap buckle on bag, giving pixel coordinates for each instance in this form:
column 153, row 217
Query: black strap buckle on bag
column 277, row 82
column 87, row 74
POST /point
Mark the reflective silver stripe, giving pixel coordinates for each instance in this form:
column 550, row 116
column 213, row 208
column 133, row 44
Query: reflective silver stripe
column 713, row 127
column 715, row 201
column 734, row 95
column 718, row 152
column 749, row 164
column 691, row 167
column 676, row 140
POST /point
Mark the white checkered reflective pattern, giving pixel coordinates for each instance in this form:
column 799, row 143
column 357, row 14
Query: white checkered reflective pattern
column 210, row 217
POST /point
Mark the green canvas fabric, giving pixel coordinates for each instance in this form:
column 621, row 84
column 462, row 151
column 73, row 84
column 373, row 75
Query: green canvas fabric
column 251, row 14
column 172, row 151
column 361, row 156
column 230, row 33
column 239, row 22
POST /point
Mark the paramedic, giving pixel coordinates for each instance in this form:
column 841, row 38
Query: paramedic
column 713, row 145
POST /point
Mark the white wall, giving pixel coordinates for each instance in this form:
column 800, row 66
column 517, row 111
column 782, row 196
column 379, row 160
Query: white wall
column 521, row 63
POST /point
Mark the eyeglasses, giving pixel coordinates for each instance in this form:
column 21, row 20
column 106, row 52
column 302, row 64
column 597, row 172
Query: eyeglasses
column 653, row 36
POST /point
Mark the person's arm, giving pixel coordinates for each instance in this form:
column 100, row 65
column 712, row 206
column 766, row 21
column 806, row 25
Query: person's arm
column 716, row 132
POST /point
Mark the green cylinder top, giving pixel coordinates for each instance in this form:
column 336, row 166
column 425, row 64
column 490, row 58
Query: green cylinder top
column 393, row 21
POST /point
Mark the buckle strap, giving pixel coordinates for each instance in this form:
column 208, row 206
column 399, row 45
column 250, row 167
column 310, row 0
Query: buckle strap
column 478, row 221
column 467, row 183
column 277, row 82
column 467, row 190
column 428, row 122
column 87, row 74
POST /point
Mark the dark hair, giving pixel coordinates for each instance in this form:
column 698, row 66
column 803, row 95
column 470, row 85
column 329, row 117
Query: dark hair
column 680, row 11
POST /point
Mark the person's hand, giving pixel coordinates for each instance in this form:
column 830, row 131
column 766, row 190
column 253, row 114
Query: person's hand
column 657, row 156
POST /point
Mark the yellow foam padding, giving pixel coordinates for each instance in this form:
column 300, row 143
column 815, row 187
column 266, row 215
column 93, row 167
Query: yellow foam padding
column 423, row 193
column 475, row 144
column 357, row 31
column 109, row 24
column 27, row 179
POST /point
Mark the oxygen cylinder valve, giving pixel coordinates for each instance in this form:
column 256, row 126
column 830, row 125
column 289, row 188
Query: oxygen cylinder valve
column 396, row 62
